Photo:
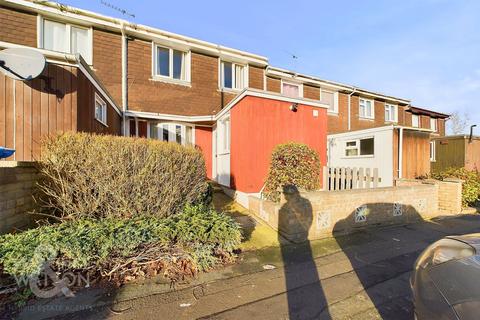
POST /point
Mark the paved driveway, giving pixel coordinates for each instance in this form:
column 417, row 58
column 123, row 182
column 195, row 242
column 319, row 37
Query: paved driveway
column 363, row 276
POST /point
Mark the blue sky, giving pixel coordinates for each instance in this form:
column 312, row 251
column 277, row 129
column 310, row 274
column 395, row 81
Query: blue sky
column 424, row 50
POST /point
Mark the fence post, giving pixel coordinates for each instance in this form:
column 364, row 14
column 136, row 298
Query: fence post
column 368, row 178
column 360, row 178
column 325, row 178
column 375, row 177
column 349, row 179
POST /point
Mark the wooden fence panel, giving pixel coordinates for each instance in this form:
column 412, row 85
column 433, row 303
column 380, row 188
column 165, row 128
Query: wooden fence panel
column 335, row 178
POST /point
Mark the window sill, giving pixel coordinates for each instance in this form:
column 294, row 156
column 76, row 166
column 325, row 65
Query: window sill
column 366, row 119
column 228, row 90
column 102, row 123
column 184, row 83
column 359, row 157
column 332, row 113
column 391, row 122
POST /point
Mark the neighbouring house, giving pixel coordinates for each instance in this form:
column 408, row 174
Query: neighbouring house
column 458, row 151
column 145, row 82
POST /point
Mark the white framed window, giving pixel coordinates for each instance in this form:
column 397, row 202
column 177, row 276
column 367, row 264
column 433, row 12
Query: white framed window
column 331, row 99
column 291, row 89
column 360, row 147
column 171, row 132
column 100, row 109
column 432, row 151
column 171, row 64
column 233, row 75
column 415, row 121
column 391, row 112
column 66, row 37
column 433, row 124
column 366, row 109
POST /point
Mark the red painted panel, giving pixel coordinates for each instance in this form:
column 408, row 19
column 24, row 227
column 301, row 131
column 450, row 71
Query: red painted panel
column 203, row 140
column 258, row 125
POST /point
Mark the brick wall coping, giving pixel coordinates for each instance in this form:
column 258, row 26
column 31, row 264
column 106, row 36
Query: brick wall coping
column 14, row 164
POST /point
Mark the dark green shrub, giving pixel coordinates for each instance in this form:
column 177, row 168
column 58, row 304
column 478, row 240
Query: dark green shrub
column 471, row 184
column 205, row 235
column 292, row 164
column 98, row 176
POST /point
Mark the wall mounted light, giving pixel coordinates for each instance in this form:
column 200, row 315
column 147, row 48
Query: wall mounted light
column 294, row 107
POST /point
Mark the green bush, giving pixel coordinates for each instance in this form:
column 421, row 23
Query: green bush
column 83, row 244
column 99, row 176
column 471, row 184
column 292, row 164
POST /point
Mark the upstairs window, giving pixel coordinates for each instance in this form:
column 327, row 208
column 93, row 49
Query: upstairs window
column 100, row 110
column 433, row 124
column 67, row 38
column 391, row 113
column 232, row 76
column 330, row 99
column 292, row 90
column 415, row 121
column 366, row 109
column 170, row 63
column 360, row 147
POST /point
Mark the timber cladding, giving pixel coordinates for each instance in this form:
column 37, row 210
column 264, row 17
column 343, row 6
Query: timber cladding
column 61, row 99
column 416, row 151
column 18, row 27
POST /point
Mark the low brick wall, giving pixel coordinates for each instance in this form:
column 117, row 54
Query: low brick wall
column 449, row 192
column 17, row 183
column 450, row 196
column 324, row 213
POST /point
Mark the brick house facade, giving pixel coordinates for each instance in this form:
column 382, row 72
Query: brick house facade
column 175, row 88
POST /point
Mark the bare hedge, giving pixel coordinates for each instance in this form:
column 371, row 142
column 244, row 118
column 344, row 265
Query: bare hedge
column 99, row 176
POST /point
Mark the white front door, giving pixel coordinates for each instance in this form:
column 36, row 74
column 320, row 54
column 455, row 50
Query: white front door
column 223, row 151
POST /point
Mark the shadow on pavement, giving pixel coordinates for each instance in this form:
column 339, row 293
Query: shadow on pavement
column 304, row 301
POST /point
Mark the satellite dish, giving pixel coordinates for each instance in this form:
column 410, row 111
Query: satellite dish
column 21, row 63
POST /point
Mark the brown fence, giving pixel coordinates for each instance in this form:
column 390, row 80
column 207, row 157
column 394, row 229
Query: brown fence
column 336, row 178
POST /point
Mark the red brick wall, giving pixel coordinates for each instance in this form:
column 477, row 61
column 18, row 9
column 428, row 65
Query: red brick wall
column 339, row 123
column 107, row 61
column 311, row 92
column 255, row 77
column 273, row 85
column 18, row 27
column 441, row 127
column 201, row 98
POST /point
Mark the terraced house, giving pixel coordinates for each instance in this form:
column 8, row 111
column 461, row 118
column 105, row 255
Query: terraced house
column 108, row 75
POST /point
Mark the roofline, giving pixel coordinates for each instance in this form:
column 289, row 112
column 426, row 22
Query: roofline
column 414, row 129
column 268, row 95
column 165, row 116
column 337, row 85
column 244, row 93
column 429, row 112
column 73, row 61
column 50, row 8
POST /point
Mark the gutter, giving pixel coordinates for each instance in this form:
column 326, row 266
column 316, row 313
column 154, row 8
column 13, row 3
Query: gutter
column 50, row 8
